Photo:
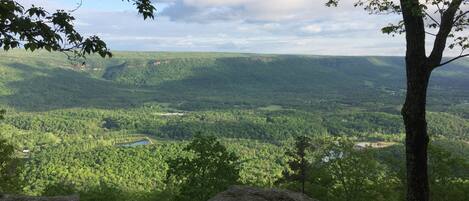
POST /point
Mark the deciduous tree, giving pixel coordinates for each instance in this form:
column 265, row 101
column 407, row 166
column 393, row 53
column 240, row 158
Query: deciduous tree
column 208, row 169
column 6, row 165
column 352, row 174
column 35, row 28
column 447, row 23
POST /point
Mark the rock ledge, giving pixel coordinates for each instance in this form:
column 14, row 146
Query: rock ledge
column 242, row 193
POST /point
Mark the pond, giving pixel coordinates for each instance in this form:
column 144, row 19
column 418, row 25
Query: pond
column 137, row 143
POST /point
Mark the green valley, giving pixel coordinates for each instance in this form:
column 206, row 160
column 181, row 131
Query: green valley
column 67, row 119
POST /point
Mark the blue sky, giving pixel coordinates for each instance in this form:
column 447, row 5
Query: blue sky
column 259, row 26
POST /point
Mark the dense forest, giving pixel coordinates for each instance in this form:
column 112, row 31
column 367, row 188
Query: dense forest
column 76, row 127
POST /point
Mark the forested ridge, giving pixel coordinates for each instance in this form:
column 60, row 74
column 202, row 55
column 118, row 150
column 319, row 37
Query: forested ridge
column 67, row 121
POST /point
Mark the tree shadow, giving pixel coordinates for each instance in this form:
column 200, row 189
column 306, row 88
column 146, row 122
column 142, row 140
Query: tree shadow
column 47, row 89
column 317, row 83
column 287, row 80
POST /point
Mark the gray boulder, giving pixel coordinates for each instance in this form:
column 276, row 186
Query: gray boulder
column 242, row 193
column 28, row 198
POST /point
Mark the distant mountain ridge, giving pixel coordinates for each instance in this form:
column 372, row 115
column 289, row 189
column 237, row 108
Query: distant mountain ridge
column 210, row 80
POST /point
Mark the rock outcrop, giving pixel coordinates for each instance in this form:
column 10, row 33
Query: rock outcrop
column 241, row 193
column 27, row 198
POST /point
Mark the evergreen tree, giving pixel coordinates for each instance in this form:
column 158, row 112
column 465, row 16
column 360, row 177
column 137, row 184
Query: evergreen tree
column 299, row 163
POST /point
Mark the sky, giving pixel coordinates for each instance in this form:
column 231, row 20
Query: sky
column 253, row 26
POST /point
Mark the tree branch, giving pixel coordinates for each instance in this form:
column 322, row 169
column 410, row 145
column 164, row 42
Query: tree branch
column 447, row 23
column 79, row 5
column 433, row 19
column 440, row 9
column 461, row 16
column 453, row 59
column 429, row 33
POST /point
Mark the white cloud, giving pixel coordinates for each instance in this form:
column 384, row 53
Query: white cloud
column 253, row 10
column 263, row 26
column 313, row 28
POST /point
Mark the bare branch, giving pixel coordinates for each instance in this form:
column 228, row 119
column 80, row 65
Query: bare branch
column 440, row 9
column 453, row 59
column 429, row 33
column 461, row 16
column 433, row 19
column 78, row 7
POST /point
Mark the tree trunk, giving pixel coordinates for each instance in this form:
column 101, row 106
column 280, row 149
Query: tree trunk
column 303, row 173
column 416, row 142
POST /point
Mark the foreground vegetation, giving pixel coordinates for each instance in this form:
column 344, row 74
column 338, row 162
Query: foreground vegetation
column 337, row 170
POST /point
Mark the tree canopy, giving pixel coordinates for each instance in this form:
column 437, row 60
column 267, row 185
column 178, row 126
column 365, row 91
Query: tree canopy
column 441, row 19
column 447, row 22
column 6, row 162
column 36, row 28
column 210, row 170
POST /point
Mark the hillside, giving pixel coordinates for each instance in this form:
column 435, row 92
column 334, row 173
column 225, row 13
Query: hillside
column 199, row 81
column 267, row 97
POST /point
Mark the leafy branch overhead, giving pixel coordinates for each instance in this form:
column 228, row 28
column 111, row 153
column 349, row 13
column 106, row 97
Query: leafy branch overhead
column 447, row 21
column 35, row 28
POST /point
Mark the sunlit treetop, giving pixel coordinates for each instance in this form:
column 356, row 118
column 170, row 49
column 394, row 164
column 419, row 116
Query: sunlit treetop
column 35, row 28
column 443, row 19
